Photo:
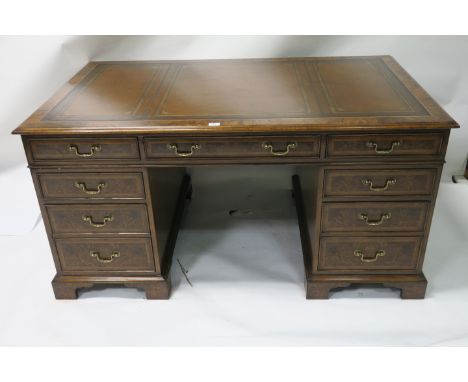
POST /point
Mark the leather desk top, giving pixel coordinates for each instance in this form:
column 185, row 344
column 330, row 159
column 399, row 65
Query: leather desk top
column 238, row 96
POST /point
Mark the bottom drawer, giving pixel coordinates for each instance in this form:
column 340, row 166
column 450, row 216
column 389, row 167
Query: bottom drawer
column 369, row 253
column 114, row 254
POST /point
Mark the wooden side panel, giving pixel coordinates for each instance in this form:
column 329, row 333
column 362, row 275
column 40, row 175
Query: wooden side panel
column 165, row 186
column 309, row 211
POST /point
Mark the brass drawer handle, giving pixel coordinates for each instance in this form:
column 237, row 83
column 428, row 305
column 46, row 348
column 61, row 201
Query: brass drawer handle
column 173, row 146
column 94, row 149
column 385, row 216
column 388, row 182
column 82, row 186
column 92, row 223
column 360, row 254
column 374, row 145
column 104, row 260
column 289, row 146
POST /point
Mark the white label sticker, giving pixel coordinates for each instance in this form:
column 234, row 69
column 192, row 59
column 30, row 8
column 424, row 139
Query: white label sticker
column 214, row 123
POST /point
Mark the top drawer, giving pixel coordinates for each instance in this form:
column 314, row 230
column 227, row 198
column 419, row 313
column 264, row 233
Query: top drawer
column 84, row 149
column 381, row 145
column 233, row 147
column 379, row 181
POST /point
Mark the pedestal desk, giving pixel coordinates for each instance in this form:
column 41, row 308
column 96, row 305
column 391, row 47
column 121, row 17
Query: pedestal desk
column 108, row 154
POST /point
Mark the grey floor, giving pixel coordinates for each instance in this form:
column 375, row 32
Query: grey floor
column 240, row 245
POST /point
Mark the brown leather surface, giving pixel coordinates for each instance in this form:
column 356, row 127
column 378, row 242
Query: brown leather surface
column 253, row 95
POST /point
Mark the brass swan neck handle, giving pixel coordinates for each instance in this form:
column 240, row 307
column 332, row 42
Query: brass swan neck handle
column 370, row 183
column 364, row 259
column 92, row 223
column 289, row 146
column 104, row 260
column 375, row 146
column 383, row 217
column 94, row 149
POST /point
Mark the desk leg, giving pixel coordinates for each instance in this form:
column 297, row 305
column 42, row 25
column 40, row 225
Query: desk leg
column 67, row 287
column 411, row 286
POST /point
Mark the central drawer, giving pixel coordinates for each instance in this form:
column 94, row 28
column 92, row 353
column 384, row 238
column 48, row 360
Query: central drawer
column 374, row 216
column 235, row 147
column 99, row 255
column 92, row 219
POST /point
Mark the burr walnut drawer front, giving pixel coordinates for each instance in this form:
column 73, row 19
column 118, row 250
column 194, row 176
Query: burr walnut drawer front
column 93, row 218
column 374, row 216
column 114, row 254
column 235, row 147
column 383, row 145
column 84, row 149
column 92, row 185
column 377, row 182
column 365, row 253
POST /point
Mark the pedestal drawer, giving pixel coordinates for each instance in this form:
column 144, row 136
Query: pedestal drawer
column 375, row 216
column 92, row 219
column 382, row 145
column 113, row 254
column 233, row 147
column 84, row 149
column 92, row 185
column 377, row 182
column 365, row 253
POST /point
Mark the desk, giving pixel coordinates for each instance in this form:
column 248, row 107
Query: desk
column 108, row 154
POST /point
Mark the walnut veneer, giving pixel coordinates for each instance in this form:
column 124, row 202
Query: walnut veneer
column 108, row 154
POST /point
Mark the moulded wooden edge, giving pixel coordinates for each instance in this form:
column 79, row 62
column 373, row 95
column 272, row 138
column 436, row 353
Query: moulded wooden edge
column 247, row 127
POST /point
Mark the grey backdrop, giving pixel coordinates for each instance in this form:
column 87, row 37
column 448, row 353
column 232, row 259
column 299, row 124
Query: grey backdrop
column 32, row 68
